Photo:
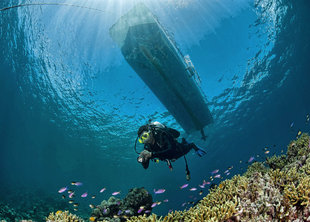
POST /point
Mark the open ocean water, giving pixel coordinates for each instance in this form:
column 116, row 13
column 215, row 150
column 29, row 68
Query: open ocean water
column 70, row 105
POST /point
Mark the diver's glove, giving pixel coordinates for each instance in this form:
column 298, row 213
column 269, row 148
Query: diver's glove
column 144, row 158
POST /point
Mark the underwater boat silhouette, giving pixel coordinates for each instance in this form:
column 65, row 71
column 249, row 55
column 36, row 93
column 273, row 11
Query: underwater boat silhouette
column 171, row 76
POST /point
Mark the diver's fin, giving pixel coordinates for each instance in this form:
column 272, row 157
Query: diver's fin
column 200, row 152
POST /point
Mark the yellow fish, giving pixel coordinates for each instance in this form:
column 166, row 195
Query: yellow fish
column 92, row 218
column 58, row 212
column 267, row 152
column 299, row 132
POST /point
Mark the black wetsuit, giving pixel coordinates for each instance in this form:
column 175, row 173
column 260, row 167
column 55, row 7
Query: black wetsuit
column 166, row 146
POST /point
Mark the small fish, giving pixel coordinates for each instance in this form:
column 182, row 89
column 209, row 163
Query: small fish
column 115, row 216
column 200, row 193
column 119, row 212
column 217, row 176
column 215, row 171
column 105, row 210
column 183, row 204
column 140, row 210
column 240, row 161
column 184, row 186
column 230, row 167
column 75, row 209
column 76, row 204
column 71, row 195
column 226, row 171
column 158, row 202
column 169, row 211
column 92, row 206
column 92, row 218
column 63, row 189
column 127, row 211
column 147, row 211
column 251, row 159
column 84, row 194
column 159, row 191
column 166, row 200
column 103, row 189
column 193, row 189
column 76, row 183
column 58, row 212
column 267, row 151
column 71, row 201
column 221, row 186
column 63, row 197
column 292, row 124
column 154, row 204
column 70, row 191
column 116, row 193
column 201, row 186
column 93, row 197
column 190, row 202
column 299, row 133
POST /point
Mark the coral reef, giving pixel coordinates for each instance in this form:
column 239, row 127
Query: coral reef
column 275, row 190
column 119, row 210
column 63, row 216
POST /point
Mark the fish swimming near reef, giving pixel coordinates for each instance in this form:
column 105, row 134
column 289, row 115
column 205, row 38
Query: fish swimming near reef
column 215, row 171
column 76, row 183
column 103, row 189
column 63, row 189
column 159, row 191
column 84, row 194
column 251, row 159
column 116, row 193
column 184, row 186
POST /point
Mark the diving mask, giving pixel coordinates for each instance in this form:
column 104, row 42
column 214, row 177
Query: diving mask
column 145, row 136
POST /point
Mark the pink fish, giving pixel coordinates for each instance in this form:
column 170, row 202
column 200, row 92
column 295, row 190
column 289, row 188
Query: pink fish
column 183, row 204
column 217, row 176
column 116, row 193
column 215, row 171
column 71, row 195
column 226, row 171
column 154, row 205
column 159, row 191
column 63, row 189
column 166, row 200
column 169, row 211
column 193, row 189
column 201, row 186
column 251, row 159
column 140, row 210
column 103, row 189
column 84, row 194
column 147, row 211
column 184, row 186
column 127, row 211
column 204, row 182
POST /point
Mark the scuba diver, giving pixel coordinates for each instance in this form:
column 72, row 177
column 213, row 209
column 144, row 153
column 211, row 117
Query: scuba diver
column 160, row 143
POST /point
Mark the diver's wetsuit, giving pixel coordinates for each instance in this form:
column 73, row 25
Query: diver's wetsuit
column 166, row 147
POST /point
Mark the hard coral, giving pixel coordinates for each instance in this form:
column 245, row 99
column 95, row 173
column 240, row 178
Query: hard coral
column 63, row 216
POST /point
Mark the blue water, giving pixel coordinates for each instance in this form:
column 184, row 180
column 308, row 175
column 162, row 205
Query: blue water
column 71, row 105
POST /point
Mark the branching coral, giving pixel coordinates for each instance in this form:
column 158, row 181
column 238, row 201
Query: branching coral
column 63, row 216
